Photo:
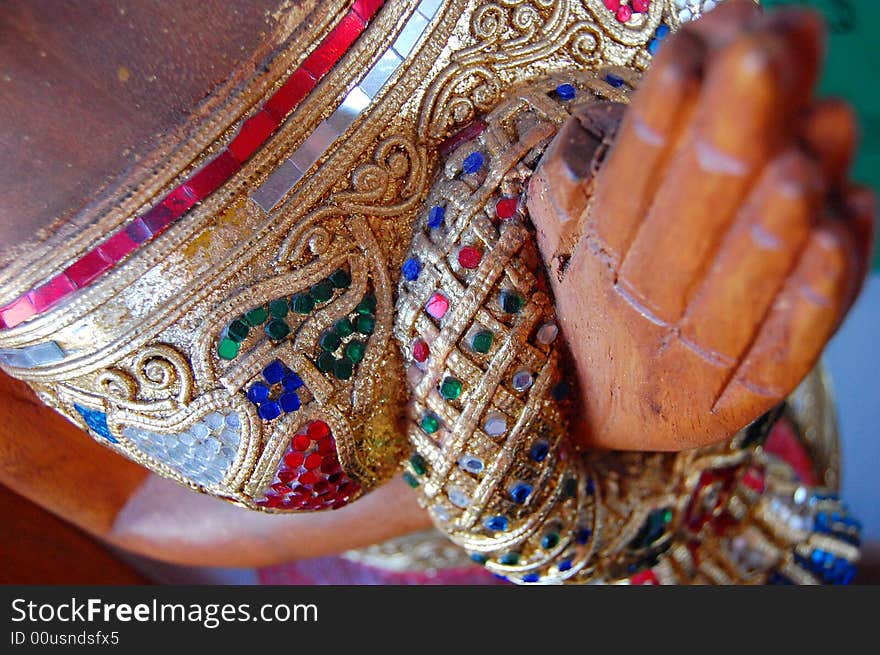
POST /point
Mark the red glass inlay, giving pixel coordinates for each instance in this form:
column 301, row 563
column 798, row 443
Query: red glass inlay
column 420, row 350
column 646, row 577
column 366, row 9
column 89, row 266
column 118, row 246
column 469, row 257
column 506, row 208
column 334, row 46
column 180, row 201
column 213, row 175
column 51, row 293
column 309, row 476
column 468, row 133
column 291, row 93
column 253, row 133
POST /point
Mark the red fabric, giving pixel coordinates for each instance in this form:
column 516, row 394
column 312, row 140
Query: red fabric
column 783, row 442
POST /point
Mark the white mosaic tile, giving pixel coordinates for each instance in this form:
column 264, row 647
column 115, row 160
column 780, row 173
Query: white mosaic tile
column 203, row 453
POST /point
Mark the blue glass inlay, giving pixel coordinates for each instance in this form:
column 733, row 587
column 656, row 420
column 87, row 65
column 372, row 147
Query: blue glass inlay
column 291, row 382
column 539, row 451
column 531, row 577
column 274, row 372
column 411, row 268
column 564, row 565
column 269, row 410
column 289, row 402
column 497, row 523
column 566, row 91
column 436, row 216
column 473, row 162
column 614, row 80
column 520, row 492
column 258, row 393
column 96, row 420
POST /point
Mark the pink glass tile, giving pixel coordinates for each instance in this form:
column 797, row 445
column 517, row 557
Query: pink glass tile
column 52, row 292
column 18, row 311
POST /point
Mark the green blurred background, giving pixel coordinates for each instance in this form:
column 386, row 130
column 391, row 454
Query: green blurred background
column 850, row 73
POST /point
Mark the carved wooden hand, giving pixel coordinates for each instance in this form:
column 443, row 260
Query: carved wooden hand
column 722, row 242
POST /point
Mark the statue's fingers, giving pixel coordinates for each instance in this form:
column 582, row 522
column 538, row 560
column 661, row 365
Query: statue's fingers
column 860, row 215
column 831, row 133
column 659, row 112
column 745, row 114
column 755, row 257
column 801, row 320
column 721, row 25
column 655, row 122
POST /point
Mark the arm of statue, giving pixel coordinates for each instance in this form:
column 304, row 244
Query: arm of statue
column 700, row 275
column 123, row 504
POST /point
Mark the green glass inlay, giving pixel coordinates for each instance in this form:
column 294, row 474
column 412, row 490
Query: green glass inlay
column 367, row 305
column 549, row 540
column 277, row 329
column 511, row 302
column 509, row 559
column 325, row 362
column 342, row 368
column 322, row 291
column 302, row 303
column 257, row 316
column 482, row 341
column 355, row 350
column 450, row 388
column 420, row 466
column 365, row 324
column 330, row 341
column 569, row 487
column 278, row 308
column 410, row 479
column 238, row 330
column 343, row 327
column 340, row 279
column 228, row 349
column 430, row 423
column 653, row 528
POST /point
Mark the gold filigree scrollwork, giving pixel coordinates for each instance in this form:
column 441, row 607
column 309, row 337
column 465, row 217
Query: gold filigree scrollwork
column 158, row 379
column 514, row 40
column 390, row 184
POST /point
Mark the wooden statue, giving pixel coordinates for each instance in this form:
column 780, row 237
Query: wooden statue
column 272, row 251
